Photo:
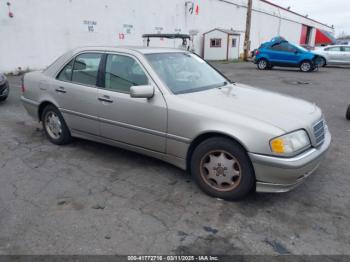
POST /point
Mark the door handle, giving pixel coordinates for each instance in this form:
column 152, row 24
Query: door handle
column 61, row 90
column 106, row 99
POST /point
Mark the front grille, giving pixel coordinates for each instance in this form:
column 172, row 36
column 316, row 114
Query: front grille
column 319, row 132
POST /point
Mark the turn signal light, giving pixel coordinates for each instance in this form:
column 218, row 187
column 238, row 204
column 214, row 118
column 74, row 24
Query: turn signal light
column 277, row 146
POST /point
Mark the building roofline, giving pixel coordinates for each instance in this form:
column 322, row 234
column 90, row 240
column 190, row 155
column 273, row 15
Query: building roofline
column 293, row 12
column 221, row 30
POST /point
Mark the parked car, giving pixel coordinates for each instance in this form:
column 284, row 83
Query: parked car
column 343, row 42
column 279, row 52
column 334, row 55
column 172, row 105
column 4, row 87
column 348, row 113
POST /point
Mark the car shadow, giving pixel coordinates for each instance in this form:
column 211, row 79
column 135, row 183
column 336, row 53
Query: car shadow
column 176, row 175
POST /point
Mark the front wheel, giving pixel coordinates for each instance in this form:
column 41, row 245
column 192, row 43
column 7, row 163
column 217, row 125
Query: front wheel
column 55, row 127
column 3, row 98
column 306, row 66
column 348, row 113
column 222, row 169
column 322, row 62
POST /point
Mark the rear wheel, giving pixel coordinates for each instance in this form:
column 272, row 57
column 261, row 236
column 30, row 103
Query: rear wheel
column 55, row 127
column 222, row 169
column 348, row 113
column 306, row 66
column 263, row 64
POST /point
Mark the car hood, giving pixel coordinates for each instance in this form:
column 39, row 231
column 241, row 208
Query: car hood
column 282, row 111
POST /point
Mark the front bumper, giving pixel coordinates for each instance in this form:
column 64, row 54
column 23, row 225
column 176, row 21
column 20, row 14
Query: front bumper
column 277, row 175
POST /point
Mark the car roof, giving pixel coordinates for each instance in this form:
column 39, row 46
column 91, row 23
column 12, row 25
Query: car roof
column 139, row 49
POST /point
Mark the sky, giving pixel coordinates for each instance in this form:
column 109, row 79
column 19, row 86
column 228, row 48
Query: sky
column 331, row 12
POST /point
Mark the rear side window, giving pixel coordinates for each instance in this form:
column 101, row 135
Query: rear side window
column 66, row 73
column 333, row 49
column 123, row 72
column 346, row 48
column 285, row 47
column 86, row 68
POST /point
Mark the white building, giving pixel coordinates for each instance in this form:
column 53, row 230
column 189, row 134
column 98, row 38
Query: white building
column 36, row 32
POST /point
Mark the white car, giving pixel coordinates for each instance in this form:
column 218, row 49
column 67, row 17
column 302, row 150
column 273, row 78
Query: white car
column 333, row 55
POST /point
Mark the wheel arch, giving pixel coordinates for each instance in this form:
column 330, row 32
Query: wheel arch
column 305, row 60
column 204, row 136
column 42, row 106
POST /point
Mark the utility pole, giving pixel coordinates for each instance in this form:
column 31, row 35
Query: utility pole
column 247, row 30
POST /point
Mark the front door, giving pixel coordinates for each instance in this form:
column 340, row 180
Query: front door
column 346, row 54
column 233, row 47
column 135, row 121
column 335, row 54
column 75, row 91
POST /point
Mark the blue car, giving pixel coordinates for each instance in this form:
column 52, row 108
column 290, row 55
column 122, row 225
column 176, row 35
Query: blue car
column 279, row 52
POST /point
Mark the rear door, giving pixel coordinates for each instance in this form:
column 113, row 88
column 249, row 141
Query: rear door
column 139, row 122
column 75, row 91
column 335, row 54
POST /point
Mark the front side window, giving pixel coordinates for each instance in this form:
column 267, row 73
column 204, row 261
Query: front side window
column 215, row 42
column 66, row 73
column 85, row 69
column 123, row 72
column 185, row 72
column 346, row 49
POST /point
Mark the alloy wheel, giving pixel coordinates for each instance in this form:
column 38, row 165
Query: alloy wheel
column 262, row 64
column 53, row 125
column 220, row 170
column 305, row 67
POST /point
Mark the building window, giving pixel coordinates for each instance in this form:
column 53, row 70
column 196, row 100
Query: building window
column 234, row 42
column 216, row 42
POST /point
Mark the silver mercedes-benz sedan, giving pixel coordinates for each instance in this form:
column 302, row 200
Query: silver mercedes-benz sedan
column 172, row 105
column 333, row 55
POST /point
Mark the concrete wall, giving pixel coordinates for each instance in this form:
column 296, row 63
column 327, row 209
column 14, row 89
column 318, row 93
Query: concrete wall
column 40, row 30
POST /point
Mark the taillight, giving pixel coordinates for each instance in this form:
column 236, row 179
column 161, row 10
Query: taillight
column 257, row 52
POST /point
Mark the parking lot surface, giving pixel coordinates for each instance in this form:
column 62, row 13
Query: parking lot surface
column 88, row 198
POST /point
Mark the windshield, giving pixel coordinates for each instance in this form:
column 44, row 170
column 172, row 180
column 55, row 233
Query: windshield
column 185, row 72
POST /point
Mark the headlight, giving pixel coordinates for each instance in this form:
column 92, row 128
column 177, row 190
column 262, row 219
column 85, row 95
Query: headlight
column 290, row 143
column 2, row 79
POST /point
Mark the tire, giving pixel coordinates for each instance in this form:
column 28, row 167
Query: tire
column 54, row 126
column 263, row 64
column 2, row 99
column 348, row 113
column 211, row 163
column 306, row 66
column 322, row 62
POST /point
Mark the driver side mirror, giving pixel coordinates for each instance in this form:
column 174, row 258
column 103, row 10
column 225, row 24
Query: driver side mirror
column 142, row 91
